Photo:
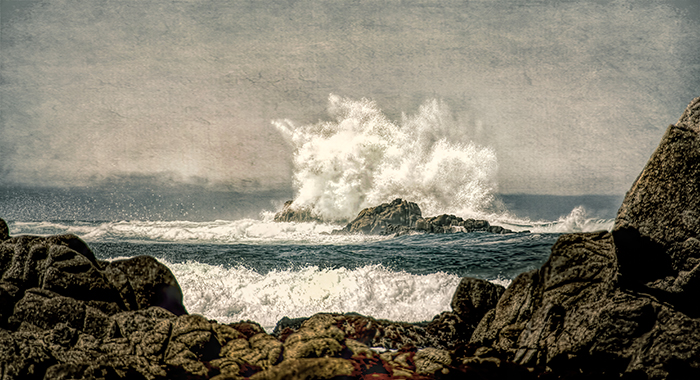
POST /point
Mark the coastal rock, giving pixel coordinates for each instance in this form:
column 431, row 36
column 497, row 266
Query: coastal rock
column 4, row 230
column 365, row 330
column 622, row 303
column 474, row 298
column 401, row 217
column 657, row 227
column 144, row 282
column 295, row 214
column 374, row 220
column 302, row 369
column 552, row 312
column 448, row 331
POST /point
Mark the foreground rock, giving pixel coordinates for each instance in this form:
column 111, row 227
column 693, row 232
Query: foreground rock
column 657, row 228
column 471, row 301
column 401, row 217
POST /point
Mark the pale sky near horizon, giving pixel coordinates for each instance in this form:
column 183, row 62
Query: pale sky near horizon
column 573, row 96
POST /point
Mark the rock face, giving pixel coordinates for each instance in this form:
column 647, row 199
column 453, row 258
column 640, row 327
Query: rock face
column 67, row 315
column 657, row 228
column 374, row 220
column 401, row 217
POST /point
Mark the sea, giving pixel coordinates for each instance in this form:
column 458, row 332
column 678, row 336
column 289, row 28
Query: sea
column 252, row 268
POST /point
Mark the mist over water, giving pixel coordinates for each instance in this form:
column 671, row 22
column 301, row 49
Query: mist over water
column 361, row 159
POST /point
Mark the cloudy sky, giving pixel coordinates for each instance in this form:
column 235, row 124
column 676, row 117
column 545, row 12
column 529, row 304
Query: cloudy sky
column 572, row 95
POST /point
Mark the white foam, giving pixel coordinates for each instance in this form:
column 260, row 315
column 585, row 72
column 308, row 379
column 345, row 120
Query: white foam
column 239, row 293
column 578, row 220
column 362, row 159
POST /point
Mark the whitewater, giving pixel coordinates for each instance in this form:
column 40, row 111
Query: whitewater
column 253, row 268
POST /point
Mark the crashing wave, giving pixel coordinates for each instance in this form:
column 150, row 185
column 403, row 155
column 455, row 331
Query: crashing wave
column 361, row 159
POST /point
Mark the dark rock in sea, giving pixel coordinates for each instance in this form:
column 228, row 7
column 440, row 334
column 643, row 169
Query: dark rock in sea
column 374, row 220
column 290, row 214
column 401, row 217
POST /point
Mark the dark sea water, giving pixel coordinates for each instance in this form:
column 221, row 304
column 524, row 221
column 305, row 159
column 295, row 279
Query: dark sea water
column 253, row 268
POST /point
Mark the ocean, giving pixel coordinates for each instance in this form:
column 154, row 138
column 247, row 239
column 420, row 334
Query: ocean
column 252, row 268
column 233, row 262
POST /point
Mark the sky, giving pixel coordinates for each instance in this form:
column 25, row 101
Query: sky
column 573, row 96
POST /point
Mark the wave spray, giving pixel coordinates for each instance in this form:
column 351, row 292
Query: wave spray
column 361, row 159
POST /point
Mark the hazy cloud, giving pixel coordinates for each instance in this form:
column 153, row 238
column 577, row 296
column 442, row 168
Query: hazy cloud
column 572, row 96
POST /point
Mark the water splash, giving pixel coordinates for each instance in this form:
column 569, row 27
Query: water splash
column 362, row 159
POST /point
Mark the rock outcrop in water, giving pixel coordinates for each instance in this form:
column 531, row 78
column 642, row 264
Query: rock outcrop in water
column 290, row 214
column 401, row 217
column 604, row 305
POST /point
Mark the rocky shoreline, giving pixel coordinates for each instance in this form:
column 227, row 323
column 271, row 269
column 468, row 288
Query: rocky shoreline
column 617, row 304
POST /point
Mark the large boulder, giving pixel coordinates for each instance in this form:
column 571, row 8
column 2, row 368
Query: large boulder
column 61, row 264
column 144, row 282
column 374, row 220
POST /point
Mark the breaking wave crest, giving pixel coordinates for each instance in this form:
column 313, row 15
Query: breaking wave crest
column 578, row 220
column 362, row 159
column 238, row 293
